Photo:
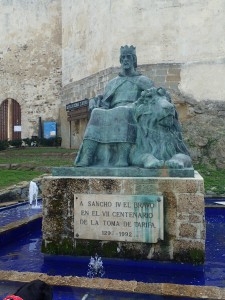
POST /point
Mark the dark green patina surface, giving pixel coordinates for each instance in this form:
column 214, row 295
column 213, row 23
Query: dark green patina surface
column 134, row 124
column 122, row 172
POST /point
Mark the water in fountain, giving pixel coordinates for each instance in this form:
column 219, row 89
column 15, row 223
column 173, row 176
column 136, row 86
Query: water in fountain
column 95, row 270
column 95, row 267
column 33, row 194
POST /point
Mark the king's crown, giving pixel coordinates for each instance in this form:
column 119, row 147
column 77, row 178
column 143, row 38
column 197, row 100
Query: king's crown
column 126, row 49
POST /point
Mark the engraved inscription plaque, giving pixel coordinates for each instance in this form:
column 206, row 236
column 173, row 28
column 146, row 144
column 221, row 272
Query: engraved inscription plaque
column 128, row 218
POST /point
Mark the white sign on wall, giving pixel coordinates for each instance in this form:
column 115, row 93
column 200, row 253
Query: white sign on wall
column 17, row 128
column 130, row 218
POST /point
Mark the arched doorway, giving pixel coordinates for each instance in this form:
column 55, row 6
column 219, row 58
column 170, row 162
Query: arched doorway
column 10, row 120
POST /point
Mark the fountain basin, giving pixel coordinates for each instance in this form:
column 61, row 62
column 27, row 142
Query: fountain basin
column 18, row 212
column 68, row 288
column 23, row 261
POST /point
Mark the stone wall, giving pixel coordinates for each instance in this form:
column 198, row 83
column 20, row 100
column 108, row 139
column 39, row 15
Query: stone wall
column 30, row 59
column 183, row 219
column 164, row 31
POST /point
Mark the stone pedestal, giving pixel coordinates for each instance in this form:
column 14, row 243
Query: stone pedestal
column 81, row 217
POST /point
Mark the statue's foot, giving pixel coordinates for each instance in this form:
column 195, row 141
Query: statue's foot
column 121, row 164
column 174, row 164
column 153, row 163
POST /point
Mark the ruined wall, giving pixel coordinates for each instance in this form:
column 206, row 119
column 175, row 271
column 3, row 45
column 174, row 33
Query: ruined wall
column 179, row 45
column 30, row 59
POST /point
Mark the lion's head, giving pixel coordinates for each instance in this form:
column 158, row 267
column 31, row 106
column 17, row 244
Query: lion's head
column 157, row 103
column 159, row 132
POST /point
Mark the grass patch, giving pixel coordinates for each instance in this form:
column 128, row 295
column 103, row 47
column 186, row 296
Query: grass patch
column 34, row 156
column 11, row 177
column 50, row 157
column 38, row 161
column 214, row 179
column 36, row 150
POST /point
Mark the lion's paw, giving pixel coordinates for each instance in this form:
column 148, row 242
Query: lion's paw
column 174, row 164
column 153, row 163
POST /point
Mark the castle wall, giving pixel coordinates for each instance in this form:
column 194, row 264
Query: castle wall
column 171, row 31
column 179, row 45
column 30, row 57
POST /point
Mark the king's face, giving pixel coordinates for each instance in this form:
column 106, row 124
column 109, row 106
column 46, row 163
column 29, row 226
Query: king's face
column 127, row 61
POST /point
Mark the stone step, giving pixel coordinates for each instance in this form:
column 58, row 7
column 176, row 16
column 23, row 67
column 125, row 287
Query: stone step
column 4, row 204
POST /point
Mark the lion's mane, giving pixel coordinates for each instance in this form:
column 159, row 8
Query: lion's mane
column 162, row 142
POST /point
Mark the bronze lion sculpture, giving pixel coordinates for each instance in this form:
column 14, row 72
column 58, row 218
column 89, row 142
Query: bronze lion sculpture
column 159, row 141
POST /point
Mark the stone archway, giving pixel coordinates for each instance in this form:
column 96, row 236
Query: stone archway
column 10, row 120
